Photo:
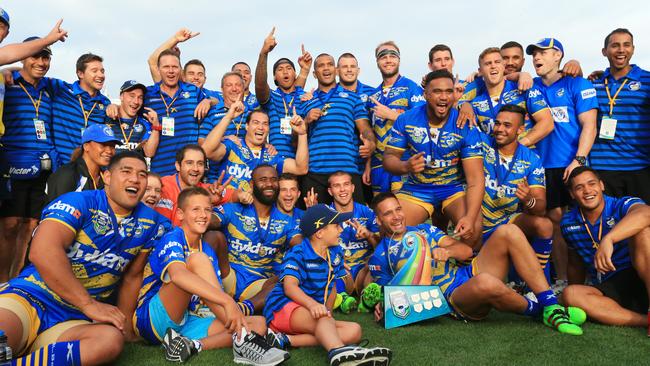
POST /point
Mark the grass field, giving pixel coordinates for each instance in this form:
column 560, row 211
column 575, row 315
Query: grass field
column 502, row 339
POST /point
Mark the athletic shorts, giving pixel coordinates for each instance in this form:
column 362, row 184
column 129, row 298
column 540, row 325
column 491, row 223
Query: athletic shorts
column 40, row 327
column 355, row 269
column 619, row 183
column 152, row 321
column 429, row 196
column 383, row 181
column 282, row 319
column 488, row 231
column 241, row 284
column 557, row 193
column 27, row 197
column 627, row 289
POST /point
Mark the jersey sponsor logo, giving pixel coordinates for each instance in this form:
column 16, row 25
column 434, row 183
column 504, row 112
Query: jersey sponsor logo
column 634, row 85
column 439, row 163
column 13, row 171
column 312, row 265
column 165, row 203
column 588, row 93
column 291, row 266
column 534, row 93
column 240, row 172
column 103, row 258
column 560, row 114
column 494, row 185
column 248, row 223
column 127, row 146
column 539, row 171
column 417, row 98
column 560, row 92
column 573, row 227
column 374, row 267
column 249, row 247
column 60, row 206
column 354, row 245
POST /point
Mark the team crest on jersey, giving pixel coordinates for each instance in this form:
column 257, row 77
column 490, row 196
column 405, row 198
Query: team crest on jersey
column 101, row 222
column 560, row 92
column 635, row 85
column 249, row 223
column 276, row 227
column 364, row 97
column 420, row 135
column 344, row 95
column 611, row 222
column 186, row 95
column 337, row 260
column 447, row 140
column 138, row 127
column 101, row 107
column 519, row 167
column 482, row 105
column 126, row 227
column 490, row 155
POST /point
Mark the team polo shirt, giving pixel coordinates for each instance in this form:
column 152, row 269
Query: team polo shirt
column 28, row 123
column 630, row 148
column 316, row 275
column 131, row 131
column 443, row 147
column 2, row 97
column 252, row 248
column 213, row 94
column 567, row 98
column 280, row 105
column 250, row 100
column 405, row 94
column 486, row 108
column 103, row 246
column 391, row 254
column 364, row 91
column 502, row 174
column 333, row 142
column 577, row 237
column 171, row 248
column 181, row 108
column 73, row 109
column 357, row 251
column 237, row 127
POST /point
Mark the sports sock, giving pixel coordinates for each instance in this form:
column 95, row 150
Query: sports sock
column 542, row 248
column 546, row 298
column 246, row 307
column 59, row 353
column 532, row 307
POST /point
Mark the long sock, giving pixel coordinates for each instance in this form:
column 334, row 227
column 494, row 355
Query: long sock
column 542, row 248
column 246, row 307
column 546, row 298
column 532, row 308
column 59, row 353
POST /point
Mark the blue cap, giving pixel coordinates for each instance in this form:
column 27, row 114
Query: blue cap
column 319, row 216
column 132, row 84
column 545, row 44
column 4, row 17
column 99, row 133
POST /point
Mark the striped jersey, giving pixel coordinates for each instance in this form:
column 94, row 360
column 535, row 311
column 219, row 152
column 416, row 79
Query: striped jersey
column 237, row 127
column 280, row 105
column 131, row 131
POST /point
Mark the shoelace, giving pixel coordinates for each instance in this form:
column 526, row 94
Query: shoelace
column 254, row 347
column 558, row 317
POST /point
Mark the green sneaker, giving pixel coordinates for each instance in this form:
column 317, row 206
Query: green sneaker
column 370, row 296
column 577, row 316
column 337, row 301
column 348, row 303
column 556, row 316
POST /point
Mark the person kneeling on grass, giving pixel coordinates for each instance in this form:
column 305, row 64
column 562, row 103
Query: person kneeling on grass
column 183, row 272
column 300, row 305
column 475, row 289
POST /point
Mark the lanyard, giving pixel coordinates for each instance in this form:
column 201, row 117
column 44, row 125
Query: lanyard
column 330, row 276
column 284, row 102
column 92, row 179
column 241, row 120
column 612, row 101
column 36, row 104
column 324, row 98
column 509, row 168
column 494, row 109
column 600, row 229
column 127, row 139
column 168, row 106
column 86, row 114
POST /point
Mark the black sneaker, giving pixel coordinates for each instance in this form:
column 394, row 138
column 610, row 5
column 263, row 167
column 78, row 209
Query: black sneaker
column 178, row 348
column 253, row 349
column 278, row 340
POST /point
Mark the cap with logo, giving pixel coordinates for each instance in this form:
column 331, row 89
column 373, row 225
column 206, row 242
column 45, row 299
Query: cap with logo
column 319, row 216
column 545, row 44
column 99, row 133
column 4, row 17
column 132, row 84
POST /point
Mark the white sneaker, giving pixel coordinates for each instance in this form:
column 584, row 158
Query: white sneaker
column 252, row 349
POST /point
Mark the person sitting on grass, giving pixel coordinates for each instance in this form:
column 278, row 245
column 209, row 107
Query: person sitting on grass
column 299, row 306
column 472, row 290
column 182, row 273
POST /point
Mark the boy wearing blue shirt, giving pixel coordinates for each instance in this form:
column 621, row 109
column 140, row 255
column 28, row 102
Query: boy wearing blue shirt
column 300, row 305
column 609, row 239
column 181, row 274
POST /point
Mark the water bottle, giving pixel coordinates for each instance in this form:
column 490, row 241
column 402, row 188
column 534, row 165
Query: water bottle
column 5, row 350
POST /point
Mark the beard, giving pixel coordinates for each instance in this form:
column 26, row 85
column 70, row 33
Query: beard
column 259, row 195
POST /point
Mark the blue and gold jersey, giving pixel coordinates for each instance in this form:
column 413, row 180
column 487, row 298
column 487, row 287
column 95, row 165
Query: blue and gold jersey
column 486, row 108
column 390, row 255
column 103, row 246
column 253, row 248
column 172, row 247
column 502, row 174
column 578, row 233
column 316, row 275
column 239, row 162
column 443, row 147
column 357, row 251
column 404, row 95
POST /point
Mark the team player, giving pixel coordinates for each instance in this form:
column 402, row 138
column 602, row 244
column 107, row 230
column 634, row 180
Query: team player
column 301, row 304
column 256, row 235
column 182, row 273
column 28, row 155
column 475, row 289
column 609, row 240
column 238, row 160
column 279, row 103
column 335, row 115
column 394, row 96
column 574, row 107
column 138, row 128
column 232, row 85
column 348, row 70
column 498, row 91
column 621, row 152
column 441, row 155
column 245, row 71
column 515, row 190
column 85, row 244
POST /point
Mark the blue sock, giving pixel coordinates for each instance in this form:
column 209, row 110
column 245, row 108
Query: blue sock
column 60, row 353
column 340, row 285
column 532, row 308
column 246, row 307
column 542, row 248
column 546, row 298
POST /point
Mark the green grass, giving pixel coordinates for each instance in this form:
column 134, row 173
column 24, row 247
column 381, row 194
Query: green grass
column 501, row 339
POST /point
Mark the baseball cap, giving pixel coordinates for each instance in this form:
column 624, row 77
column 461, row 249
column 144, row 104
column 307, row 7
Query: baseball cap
column 4, row 17
column 281, row 61
column 319, row 216
column 99, row 133
column 132, row 84
column 45, row 49
column 544, row 44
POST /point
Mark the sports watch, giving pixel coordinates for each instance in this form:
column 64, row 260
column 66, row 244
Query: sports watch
column 581, row 160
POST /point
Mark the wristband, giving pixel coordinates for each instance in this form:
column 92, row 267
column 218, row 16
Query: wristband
column 156, row 128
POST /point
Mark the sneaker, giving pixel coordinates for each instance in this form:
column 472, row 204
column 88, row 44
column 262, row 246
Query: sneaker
column 576, row 315
column 355, row 355
column 177, row 347
column 277, row 340
column 252, row 349
column 559, row 286
column 370, row 296
column 556, row 316
column 379, row 356
column 348, row 303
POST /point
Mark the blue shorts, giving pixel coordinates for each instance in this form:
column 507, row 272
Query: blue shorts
column 429, row 196
column 355, row 269
column 383, row 181
column 463, row 274
column 241, row 283
column 152, row 321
